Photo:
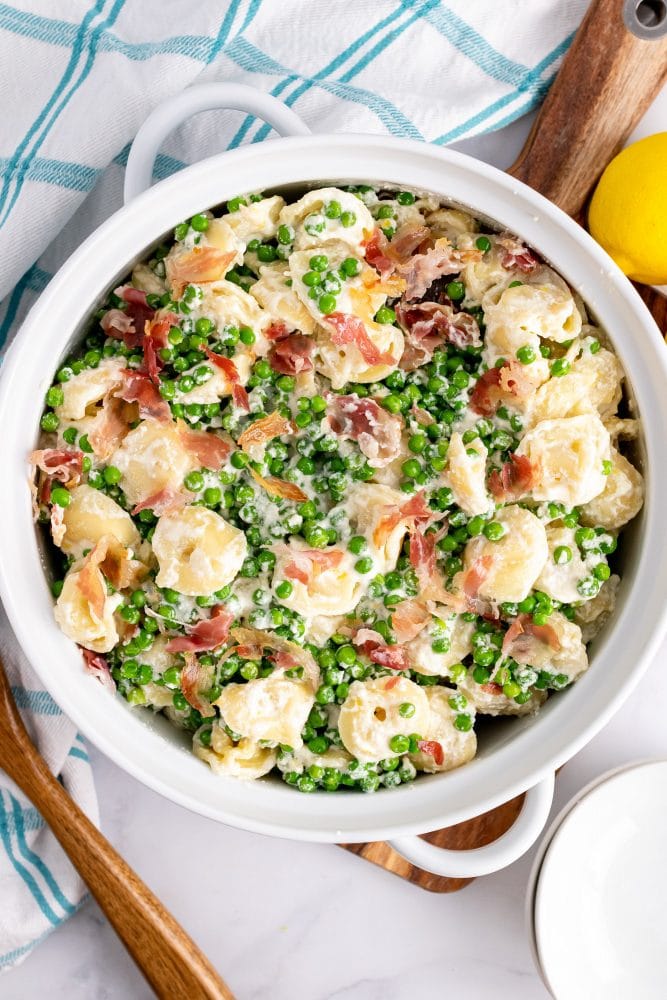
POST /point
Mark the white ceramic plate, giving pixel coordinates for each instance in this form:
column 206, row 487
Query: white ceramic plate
column 599, row 907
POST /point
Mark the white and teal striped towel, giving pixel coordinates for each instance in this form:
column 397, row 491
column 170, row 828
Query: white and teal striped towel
column 79, row 77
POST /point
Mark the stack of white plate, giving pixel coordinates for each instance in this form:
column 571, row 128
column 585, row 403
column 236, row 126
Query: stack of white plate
column 597, row 895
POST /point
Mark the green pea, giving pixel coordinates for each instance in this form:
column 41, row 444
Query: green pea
column 326, row 303
column 494, row 531
column 199, row 223
column 411, row 468
column 333, row 210
column 318, row 404
column 364, row 565
column 399, row 744
column 60, row 496
column 249, row 671
column 463, row 722
column 49, row 422
column 285, row 235
column 239, row 459
column 348, row 219
column 601, row 572
column 55, row 396
column 246, row 335
column 356, row 544
column 234, row 204
column 194, row 481
column 392, row 403
column 284, row 589
column 325, row 695
column 406, row 709
column 266, row 253
column 526, row 355
column 560, row 366
column 350, row 267
column 319, row 262
column 385, row 315
column 405, row 198
column 456, row 290
column 483, row 243
column 594, row 346
column 562, row 554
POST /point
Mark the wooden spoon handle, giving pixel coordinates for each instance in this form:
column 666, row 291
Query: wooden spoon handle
column 168, row 958
column 608, row 79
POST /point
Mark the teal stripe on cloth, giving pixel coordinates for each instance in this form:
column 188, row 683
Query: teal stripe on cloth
column 81, row 754
column 34, row 859
column 10, row 957
column 532, row 83
column 56, row 110
column 38, row 702
column 23, row 871
column 64, row 173
column 53, row 31
column 36, row 280
column 253, row 60
column 474, row 46
column 32, row 820
column 331, row 67
column 77, row 49
column 380, row 46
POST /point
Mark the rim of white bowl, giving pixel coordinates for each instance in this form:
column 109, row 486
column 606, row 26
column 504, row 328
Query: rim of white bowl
column 536, row 745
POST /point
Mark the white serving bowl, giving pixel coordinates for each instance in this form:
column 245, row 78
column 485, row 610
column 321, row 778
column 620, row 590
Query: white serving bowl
column 514, row 755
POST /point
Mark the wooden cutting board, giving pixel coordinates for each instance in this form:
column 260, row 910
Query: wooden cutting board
column 608, row 79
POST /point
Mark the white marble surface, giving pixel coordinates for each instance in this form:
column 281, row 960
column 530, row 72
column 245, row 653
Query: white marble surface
column 291, row 921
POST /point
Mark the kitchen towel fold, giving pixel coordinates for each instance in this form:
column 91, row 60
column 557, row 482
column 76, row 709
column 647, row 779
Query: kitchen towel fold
column 79, row 77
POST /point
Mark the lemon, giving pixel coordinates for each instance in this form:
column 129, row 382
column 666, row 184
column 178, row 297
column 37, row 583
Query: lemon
column 628, row 211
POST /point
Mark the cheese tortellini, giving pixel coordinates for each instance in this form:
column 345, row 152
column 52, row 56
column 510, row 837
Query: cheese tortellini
column 333, row 587
column 458, row 746
column 80, row 622
column 325, row 214
column 256, row 221
column 83, row 392
column 621, row 497
column 272, row 709
column 452, row 636
column 374, row 510
column 151, row 459
column 244, row 759
column 509, row 567
column 92, row 514
column 568, row 453
column 370, row 716
column 466, row 475
column 274, row 290
column 198, row 552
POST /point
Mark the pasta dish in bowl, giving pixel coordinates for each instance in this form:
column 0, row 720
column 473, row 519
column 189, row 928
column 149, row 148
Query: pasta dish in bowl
column 331, row 479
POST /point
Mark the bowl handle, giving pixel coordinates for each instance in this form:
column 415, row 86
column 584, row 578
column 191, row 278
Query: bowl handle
column 492, row 857
column 204, row 97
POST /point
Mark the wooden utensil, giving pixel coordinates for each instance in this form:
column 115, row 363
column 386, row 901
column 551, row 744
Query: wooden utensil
column 169, row 959
column 608, row 79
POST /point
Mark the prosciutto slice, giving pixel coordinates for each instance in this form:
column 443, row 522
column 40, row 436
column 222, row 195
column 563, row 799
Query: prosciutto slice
column 166, row 501
column 138, row 387
column 63, row 464
column 307, row 563
column 514, row 480
column 279, row 488
column 377, row 432
column 408, row 619
column 506, row 384
column 194, row 680
column 207, row 634
column 428, row 325
column 415, row 512
column 227, row 366
column 261, row 431
column 519, row 638
column 128, row 324
column 291, row 355
column 433, row 749
column 513, row 254
column 210, row 450
column 96, row 665
column 348, row 329
column 424, row 268
column 199, row 265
